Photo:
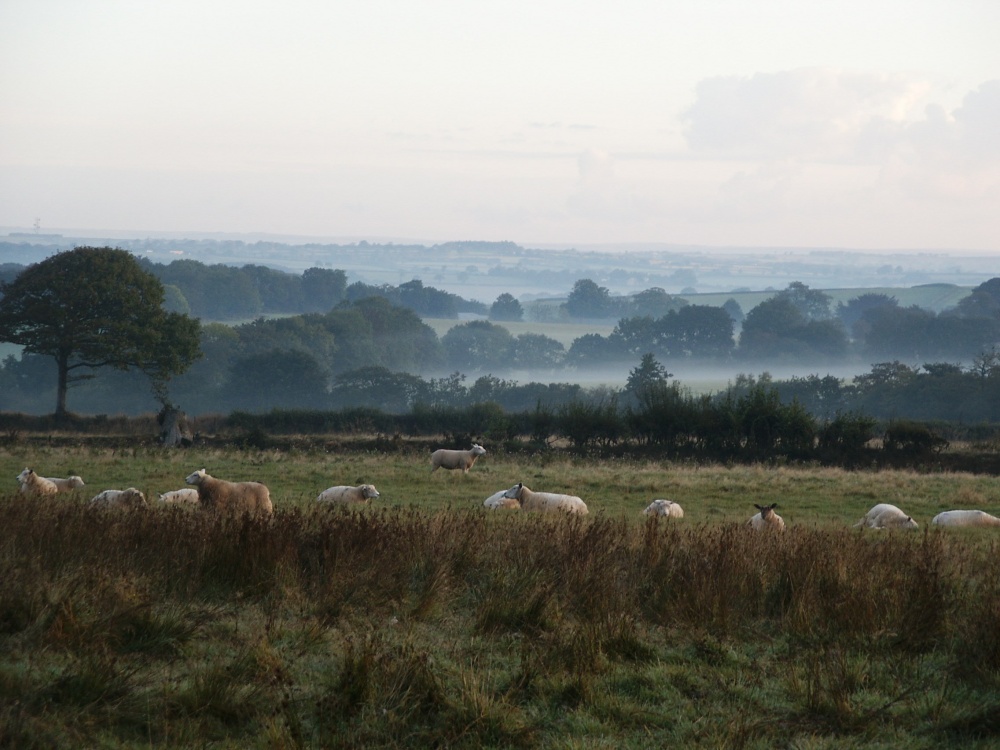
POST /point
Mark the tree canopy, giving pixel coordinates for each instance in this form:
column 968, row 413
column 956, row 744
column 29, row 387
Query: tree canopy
column 94, row 307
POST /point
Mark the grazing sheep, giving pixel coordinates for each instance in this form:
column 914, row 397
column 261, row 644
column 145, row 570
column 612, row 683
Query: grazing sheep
column 70, row 483
column 130, row 498
column 667, row 508
column 33, row 484
column 500, row 501
column 363, row 493
column 230, row 497
column 545, row 501
column 187, row 495
column 965, row 518
column 766, row 519
column 443, row 458
column 885, row 516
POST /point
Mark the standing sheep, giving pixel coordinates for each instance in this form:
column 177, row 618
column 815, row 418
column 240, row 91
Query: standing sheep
column 33, row 484
column 545, row 501
column 188, row 495
column 443, row 458
column 231, row 497
column 886, row 516
column 363, row 493
column 965, row 518
column 667, row 508
column 130, row 498
column 766, row 519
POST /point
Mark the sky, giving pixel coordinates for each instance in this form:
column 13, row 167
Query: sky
column 869, row 124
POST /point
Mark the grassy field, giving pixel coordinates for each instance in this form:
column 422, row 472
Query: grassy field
column 427, row 621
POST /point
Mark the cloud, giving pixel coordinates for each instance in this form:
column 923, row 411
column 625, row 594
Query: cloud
column 809, row 113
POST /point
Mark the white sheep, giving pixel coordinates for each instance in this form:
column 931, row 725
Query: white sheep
column 545, row 501
column 230, row 497
column 500, row 501
column 70, row 483
column 187, row 495
column 661, row 507
column 33, row 484
column 965, row 518
column 443, row 458
column 129, row 498
column 886, row 516
column 363, row 493
column 766, row 519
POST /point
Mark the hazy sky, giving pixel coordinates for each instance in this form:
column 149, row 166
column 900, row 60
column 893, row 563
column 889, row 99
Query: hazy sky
column 862, row 124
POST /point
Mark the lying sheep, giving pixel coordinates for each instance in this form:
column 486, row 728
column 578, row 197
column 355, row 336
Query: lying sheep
column 363, row 493
column 230, row 497
column 500, row 501
column 443, row 458
column 33, row 484
column 545, row 501
column 766, row 519
column 886, row 516
column 667, row 508
column 130, row 498
column 70, row 483
column 965, row 518
column 187, row 495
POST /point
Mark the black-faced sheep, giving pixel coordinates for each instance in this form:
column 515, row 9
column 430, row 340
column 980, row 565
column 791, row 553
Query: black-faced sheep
column 545, row 501
column 130, row 498
column 766, row 519
column 443, row 458
column 231, row 497
column 886, row 516
column 965, row 518
column 345, row 494
column 33, row 484
column 667, row 508
column 185, row 496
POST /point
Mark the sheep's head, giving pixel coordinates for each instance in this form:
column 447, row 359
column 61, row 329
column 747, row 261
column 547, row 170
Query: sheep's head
column 74, row 481
column 23, row 476
column 196, row 477
column 133, row 498
column 514, row 493
column 477, row 450
column 368, row 491
column 765, row 510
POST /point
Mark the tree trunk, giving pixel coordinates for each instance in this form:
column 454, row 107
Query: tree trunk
column 62, row 363
column 174, row 429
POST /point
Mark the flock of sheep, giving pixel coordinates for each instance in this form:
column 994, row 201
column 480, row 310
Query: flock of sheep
column 253, row 497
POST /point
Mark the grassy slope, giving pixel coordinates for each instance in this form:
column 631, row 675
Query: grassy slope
column 427, row 620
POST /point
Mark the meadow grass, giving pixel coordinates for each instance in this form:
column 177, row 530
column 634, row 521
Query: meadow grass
column 424, row 620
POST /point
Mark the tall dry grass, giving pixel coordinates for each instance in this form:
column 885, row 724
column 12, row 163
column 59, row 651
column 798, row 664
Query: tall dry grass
column 339, row 627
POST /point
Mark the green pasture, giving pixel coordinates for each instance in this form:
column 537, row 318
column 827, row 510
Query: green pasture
column 425, row 620
column 810, row 496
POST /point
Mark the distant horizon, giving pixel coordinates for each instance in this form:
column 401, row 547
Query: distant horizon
column 624, row 246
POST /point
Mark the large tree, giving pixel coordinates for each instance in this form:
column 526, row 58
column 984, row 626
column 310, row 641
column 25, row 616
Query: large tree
column 95, row 307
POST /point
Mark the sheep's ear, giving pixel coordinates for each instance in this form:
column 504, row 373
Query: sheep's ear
column 772, row 506
column 758, row 507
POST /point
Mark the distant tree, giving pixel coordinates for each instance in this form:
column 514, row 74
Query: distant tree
column 288, row 379
column 854, row 310
column 479, row 346
column 95, row 307
column 592, row 350
column 653, row 303
column 812, row 303
column 696, row 331
column 379, row 387
column 983, row 302
column 588, row 300
column 323, row 289
column 634, row 336
column 535, row 351
column 646, row 378
column 732, row 307
column 506, row 308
